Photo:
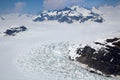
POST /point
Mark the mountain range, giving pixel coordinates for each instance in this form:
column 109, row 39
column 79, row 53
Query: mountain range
column 70, row 15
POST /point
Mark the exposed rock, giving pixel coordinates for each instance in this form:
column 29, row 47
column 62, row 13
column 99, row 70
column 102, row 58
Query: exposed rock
column 112, row 40
column 105, row 59
column 14, row 30
column 117, row 43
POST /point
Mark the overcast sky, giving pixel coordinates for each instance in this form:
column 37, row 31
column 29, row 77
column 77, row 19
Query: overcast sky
column 34, row 6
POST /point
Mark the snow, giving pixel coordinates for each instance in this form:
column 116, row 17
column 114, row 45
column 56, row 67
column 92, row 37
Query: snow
column 52, row 13
column 95, row 10
column 81, row 10
column 64, row 13
column 72, row 52
column 73, row 13
column 43, row 59
column 41, row 52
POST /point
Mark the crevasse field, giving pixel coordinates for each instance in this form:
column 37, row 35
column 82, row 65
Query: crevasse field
column 41, row 52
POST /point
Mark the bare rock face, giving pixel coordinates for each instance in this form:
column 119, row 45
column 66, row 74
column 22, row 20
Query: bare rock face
column 13, row 31
column 105, row 59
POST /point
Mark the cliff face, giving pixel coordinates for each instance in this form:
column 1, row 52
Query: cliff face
column 105, row 59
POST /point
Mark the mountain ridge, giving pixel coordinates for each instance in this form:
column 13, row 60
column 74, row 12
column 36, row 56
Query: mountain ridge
column 70, row 15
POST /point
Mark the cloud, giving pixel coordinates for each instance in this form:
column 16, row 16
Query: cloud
column 54, row 4
column 111, row 13
column 19, row 6
column 58, row 4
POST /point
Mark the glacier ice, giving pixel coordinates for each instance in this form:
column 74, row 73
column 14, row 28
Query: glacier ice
column 50, row 61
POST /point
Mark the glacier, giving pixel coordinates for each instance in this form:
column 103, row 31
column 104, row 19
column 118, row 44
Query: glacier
column 50, row 61
column 41, row 52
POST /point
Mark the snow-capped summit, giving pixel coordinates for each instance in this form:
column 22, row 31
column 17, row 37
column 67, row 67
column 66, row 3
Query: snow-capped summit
column 75, row 7
column 70, row 15
column 81, row 10
column 94, row 9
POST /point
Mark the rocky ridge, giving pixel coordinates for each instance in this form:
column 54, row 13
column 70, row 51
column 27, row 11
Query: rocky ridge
column 104, row 60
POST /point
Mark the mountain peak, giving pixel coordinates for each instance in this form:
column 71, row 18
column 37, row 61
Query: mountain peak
column 70, row 15
column 94, row 9
column 75, row 7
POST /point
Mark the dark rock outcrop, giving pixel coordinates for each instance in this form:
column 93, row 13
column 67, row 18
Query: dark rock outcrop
column 13, row 31
column 106, row 59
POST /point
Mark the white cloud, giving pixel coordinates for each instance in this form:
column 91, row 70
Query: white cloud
column 57, row 4
column 111, row 13
column 19, row 6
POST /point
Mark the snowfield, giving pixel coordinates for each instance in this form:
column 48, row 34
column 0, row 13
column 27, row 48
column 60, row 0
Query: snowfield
column 50, row 61
column 41, row 52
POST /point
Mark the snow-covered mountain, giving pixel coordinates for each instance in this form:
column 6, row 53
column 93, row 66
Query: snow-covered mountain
column 42, row 52
column 70, row 15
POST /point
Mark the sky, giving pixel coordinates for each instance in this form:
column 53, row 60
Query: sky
column 35, row 6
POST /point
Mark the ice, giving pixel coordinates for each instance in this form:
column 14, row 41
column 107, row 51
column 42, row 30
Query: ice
column 50, row 61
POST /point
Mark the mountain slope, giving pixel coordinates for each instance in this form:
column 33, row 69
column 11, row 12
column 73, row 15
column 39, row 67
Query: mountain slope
column 46, row 35
column 70, row 15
